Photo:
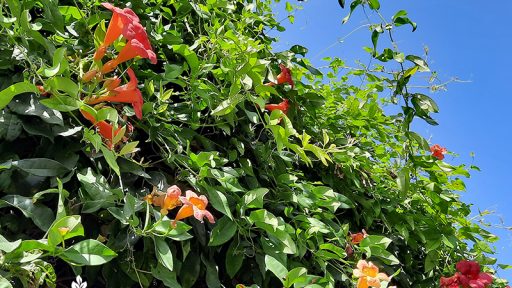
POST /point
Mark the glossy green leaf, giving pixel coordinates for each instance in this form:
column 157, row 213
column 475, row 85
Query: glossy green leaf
column 88, row 252
column 40, row 166
column 223, row 231
column 163, row 253
column 8, row 94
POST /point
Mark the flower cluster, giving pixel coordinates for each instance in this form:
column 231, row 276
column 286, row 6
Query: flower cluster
column 438, row 151
column 368, row 275
column 468, row 276
column 191, row 204
column 125, row 23
column 284, row 77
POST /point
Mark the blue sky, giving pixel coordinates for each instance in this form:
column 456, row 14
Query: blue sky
column 467, row 39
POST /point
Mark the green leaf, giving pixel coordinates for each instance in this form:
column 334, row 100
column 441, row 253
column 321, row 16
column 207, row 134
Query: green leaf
column 223, row 231
column 60, row 64
column 353, row 6
column 375, row 240
column 95, row 192
column 61, row 103
column 342, row 3
column 110, row 157
column 88, row 252
column 129, row 147
column 7, row 94
column 422, row 64
column 297, row 49
column 189, row 55
column 400, row 18
column 71, row 223
column 167, row 277
column 40, row 214
column 218, row 201
column 431, row 261
column 4, row 283
column 234, row 259
column 254, row 198
column 8, row 246
column 403, row 180
column 65, row 85
column 10, row 125
column 163, row 253
column 41, row 167
column 374, row 4
column 276, row 267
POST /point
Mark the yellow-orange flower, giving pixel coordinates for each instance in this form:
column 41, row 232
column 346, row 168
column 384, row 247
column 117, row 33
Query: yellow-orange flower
column 194, row 205
column 166, row 201
column 368, row 275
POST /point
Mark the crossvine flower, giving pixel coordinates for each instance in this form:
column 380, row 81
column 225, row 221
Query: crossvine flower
column 283, row 106
column 194, row 205
column 438, row 151
column 368, row 275
column 128, row 93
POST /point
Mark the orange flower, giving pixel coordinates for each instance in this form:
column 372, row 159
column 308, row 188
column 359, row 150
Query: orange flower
column 111, row 83
column 358, row 237
column 438, row 151
column 42, row 91
column 283, row 106
column 285, row 76
column 121, row 18
column 104, row 129
column 368, row 275
column 89, row 75
column 133, row 48
column 128, row 93
column 194, row 205
column 166, row 201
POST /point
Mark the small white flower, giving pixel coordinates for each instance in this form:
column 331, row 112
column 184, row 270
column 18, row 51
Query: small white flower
column 78, row 283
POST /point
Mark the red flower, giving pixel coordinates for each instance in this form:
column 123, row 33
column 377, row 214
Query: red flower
column 283, row 106
column 438, row 151
column 119, row 22
column 285, row 76
column 104, row 129
column 469, row 276
column 128, row 93
column 450, row 282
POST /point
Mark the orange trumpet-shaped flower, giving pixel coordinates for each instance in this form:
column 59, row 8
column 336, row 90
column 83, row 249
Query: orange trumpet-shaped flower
column 133, row 48
column 194, row 205
column 106, row 130
column 358, row 237
column 285, row 76
column 111, row 83
column 121, row 18
column 368, row 275
column 438, row 151
column 128, row 93
column 283, row 106
column 166, row 201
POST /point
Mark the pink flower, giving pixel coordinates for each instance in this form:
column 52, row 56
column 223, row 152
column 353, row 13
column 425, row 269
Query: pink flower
column 194, row 205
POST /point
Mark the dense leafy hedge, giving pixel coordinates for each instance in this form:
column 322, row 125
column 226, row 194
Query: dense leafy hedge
column 122, row 128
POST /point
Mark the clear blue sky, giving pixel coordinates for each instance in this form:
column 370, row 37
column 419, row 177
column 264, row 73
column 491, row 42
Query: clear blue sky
column 470, row 40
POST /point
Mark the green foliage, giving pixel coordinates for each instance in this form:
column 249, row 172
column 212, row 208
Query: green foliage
column 286, row 190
